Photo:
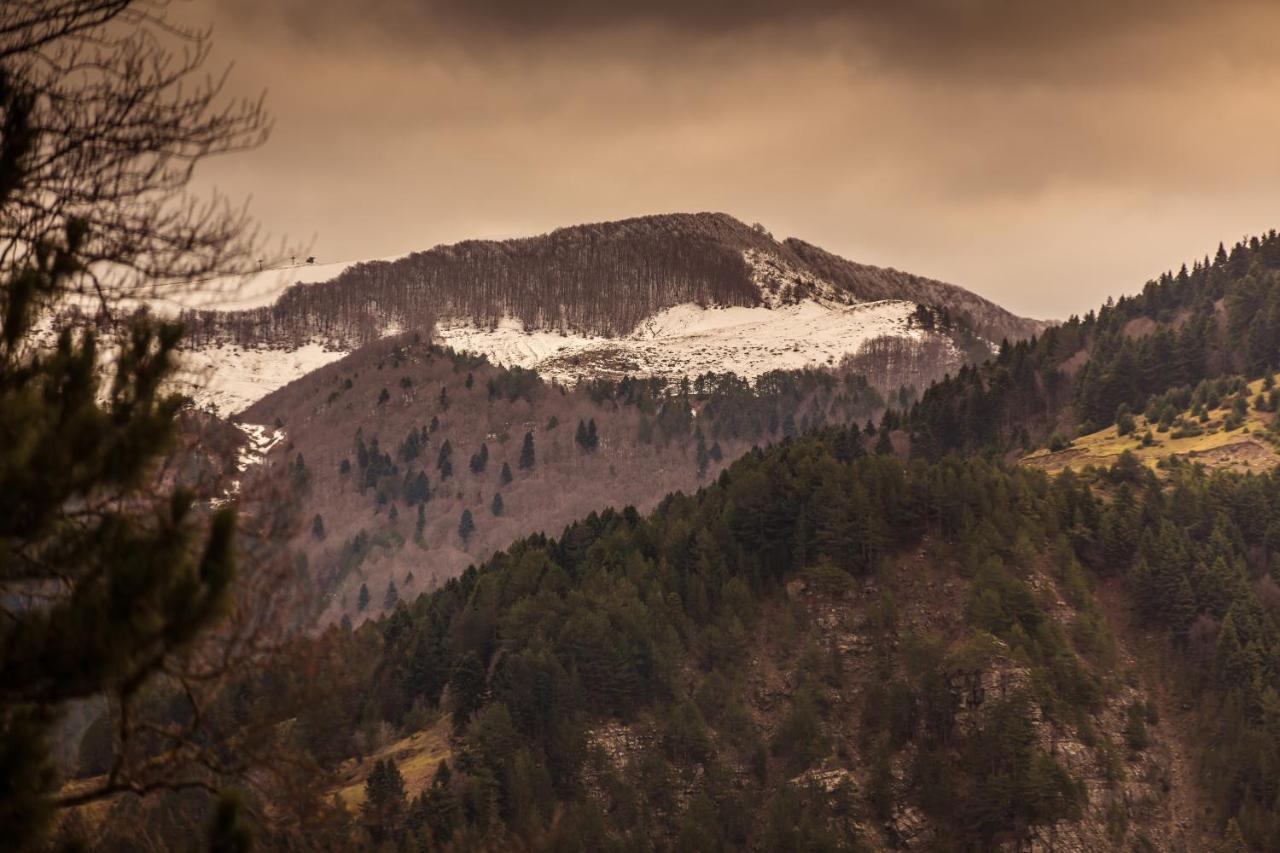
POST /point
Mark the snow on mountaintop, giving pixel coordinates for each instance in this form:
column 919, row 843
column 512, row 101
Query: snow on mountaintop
column 801, row 321
column 688, row 340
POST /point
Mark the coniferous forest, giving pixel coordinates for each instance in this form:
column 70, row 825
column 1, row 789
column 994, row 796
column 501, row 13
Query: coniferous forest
column 809, row 611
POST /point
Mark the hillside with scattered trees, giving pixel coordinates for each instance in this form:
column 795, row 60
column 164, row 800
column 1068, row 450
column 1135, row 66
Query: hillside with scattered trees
column 410, row 462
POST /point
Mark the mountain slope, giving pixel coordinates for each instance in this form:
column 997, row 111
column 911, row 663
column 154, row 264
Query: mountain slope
column 820, row 650
column 673, row 295
column 400, row 439
column 1218, row 318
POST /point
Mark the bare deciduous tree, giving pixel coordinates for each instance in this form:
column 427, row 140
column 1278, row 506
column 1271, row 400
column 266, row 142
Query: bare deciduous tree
column 118, row 582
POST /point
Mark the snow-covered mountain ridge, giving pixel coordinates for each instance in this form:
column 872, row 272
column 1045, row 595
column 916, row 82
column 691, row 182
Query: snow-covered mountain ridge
column 667, row 296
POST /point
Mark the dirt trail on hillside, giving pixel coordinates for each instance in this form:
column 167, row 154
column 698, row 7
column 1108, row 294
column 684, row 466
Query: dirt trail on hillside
column 1148, row 652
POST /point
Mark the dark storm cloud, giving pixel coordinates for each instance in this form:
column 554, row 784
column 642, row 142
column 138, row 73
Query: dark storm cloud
column 1043, row 154
column 981, row 36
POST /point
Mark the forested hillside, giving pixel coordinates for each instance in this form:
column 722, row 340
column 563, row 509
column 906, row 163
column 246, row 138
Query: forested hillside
column 1220, row 317
column 601, row 279
column 822, row 649
column 408, row 462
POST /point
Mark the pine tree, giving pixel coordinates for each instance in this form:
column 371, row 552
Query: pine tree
column 128, row 572
column 480, row 460
column 496, row 507
column 505, row 477
column 317, row 527
column 391, row 597
column 884, row 444
column 384, row 396
column 444, row 460
column 362, row 601
column 527, row 458
column 1125, row 424
column 466, row 526
column 382, row 812
column 301, row 476
column 422, row 522
column 700, row 455
column 444, row 403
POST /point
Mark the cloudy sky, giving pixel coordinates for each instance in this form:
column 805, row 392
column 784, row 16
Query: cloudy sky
column 1044, row 154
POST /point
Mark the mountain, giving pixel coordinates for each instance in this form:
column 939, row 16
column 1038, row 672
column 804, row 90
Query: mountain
column 819, row 650
column 385, row 450
column 671, row 296
column 762, row 626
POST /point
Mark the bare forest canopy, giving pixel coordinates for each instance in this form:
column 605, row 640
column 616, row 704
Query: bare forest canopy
column 600, row 279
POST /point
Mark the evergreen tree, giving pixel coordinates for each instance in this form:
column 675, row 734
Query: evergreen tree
column 127, row 573
column 527, row 459
column 884, row 444
column 362, row 601
column 382, row 812
column 1125, row 424
column 417, row 489
column 480, row 459
column 317, row 527
column 444, row 460
column 422, row 522
column 466, row 526
column 505, row 477
column 444, row 403
column 392, row 595
column 384, row 396
column 301, row 476
column 496, row 507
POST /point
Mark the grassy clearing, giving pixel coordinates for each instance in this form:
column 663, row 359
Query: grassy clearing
column 417, row 756
column 1250, row 445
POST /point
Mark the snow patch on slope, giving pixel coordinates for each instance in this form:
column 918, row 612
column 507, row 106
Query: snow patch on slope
column 687, row 340
column 261, row 440
column 801, row 321
column 228, row 379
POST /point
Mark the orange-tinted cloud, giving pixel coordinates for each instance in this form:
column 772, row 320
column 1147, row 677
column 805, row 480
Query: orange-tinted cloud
column 1043, row 154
